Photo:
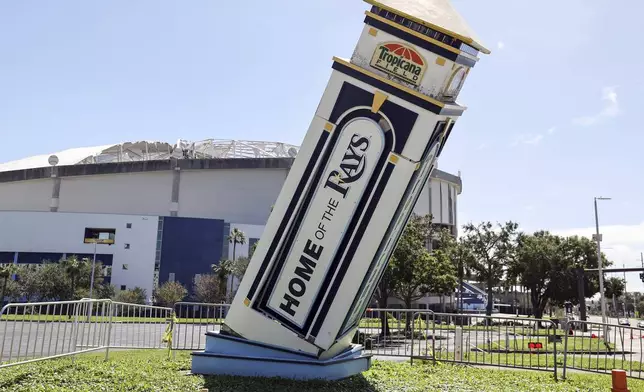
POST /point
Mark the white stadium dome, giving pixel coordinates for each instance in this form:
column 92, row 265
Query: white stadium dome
column 156, row 150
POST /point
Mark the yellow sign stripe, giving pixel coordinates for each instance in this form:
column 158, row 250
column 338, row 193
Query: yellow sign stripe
column 390, row 82
column 393, row 158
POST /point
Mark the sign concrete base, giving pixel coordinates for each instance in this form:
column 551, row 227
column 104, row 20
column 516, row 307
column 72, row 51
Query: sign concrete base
column 228, row 355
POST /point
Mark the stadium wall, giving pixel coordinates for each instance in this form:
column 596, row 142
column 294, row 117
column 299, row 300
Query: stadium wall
column 181, row 212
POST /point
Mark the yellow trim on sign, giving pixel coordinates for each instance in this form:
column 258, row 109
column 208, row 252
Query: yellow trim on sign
column 246, row 302
column 391, row 83
column 454, row 34
column 393, row 158
column 328, row 127
column 414, row 33
column 379, row 99
column 373, row 32
column 440, row 61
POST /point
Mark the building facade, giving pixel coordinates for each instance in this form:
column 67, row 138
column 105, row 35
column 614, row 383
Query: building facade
column 171, row 218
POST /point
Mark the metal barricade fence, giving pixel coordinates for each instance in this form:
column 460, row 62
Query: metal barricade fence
column 136, row 326
column 385, row 338
column 601, row 347
column 471, row 339
column 194, row 319
column 31, row 332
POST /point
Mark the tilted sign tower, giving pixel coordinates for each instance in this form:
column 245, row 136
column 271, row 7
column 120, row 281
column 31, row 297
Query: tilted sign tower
column 384, row 119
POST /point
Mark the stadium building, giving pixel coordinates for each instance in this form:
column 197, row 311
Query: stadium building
column 167, row 207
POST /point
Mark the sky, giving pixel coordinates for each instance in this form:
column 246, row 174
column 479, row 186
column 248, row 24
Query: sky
column 552, row 113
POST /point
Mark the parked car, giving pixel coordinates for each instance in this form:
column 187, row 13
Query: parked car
column 640, row 324
column 623, row 321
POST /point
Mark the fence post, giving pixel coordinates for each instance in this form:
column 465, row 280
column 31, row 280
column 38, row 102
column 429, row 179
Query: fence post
column 110, row 306
column 434, row 337
column 458, row 343
column 75, row 328
column 569, row 325
column 554, row 349
column 413, row 325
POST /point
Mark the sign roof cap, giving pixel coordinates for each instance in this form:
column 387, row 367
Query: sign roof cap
column 437, row 14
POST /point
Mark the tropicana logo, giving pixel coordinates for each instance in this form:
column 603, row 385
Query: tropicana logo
column 400, row 61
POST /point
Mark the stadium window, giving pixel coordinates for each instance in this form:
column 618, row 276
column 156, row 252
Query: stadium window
column 123, row 287
column 126, row 266
column 128, row 225
column 127, row 246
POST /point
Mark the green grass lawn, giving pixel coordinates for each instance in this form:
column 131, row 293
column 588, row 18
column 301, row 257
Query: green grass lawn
column 147, row 371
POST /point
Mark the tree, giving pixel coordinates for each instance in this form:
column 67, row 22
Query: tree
column 135, row 296
column 207, row 288
column 384, row 290
column 238, row 270
column 614, row 287
column 640, row 308
column 170, row 293
column 461, row 257
column 73, row 267
column 412, row 263
column 30, row 282
column 548, row 265
column 580, row 253
column 236, row 237
column 54, row 284
column 105, row 291
column 492, row 246
column 223, row 270
column 442, row 278
column 540, row 266
column 6, row 270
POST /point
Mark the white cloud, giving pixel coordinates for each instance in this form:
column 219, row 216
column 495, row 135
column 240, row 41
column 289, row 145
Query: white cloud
column 622, row 245
column 482, row 146
column 552, row 130
column 500, row 45
column 611, row 109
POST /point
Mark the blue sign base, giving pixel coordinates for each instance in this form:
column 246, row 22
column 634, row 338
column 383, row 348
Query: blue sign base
column 227, row 355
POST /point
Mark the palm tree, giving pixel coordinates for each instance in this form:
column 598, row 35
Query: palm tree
column 223, row 270
column 6, row 270
column 236, row 237
column 73, row 267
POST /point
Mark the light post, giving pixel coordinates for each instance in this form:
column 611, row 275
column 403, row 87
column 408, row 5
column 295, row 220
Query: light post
column 598, row 239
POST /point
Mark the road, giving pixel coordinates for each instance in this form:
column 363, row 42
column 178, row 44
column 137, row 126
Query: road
column 27, row 340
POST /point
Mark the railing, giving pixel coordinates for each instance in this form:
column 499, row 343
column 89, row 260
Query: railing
column 194, row 319
column 515, row 342
column 511, row 342
column 600, row 347
column 38, row 331
column 31, row 332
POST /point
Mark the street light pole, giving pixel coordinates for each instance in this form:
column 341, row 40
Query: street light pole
column 91, row 282
column 599, row 261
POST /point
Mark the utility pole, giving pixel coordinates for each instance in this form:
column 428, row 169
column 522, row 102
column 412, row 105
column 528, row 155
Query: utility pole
column 602, row 300
column 625, row 292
